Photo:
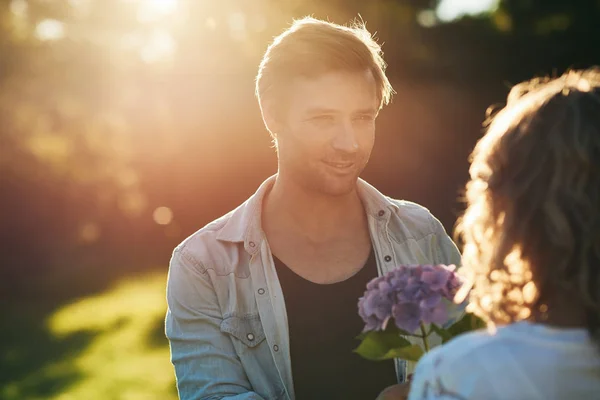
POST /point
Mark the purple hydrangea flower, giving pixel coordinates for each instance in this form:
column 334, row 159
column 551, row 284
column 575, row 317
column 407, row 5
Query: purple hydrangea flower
column 407, row 316
column 375, row 307
column 436, row 278
column 411, row 295
column 437, row 314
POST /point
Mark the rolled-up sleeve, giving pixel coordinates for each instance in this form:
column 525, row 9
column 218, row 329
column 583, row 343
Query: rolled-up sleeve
column 206, row 364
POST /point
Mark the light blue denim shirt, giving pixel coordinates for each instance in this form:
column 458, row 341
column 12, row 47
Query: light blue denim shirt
column 226, row 320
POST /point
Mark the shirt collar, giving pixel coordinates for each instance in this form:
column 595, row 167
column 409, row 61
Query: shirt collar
column 244, row 223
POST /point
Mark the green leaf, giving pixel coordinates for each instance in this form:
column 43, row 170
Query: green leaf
column 411, row 353
column 391, row 328
column 469, row 322
column 405, row 333
column 377, row 344
column 443, row 333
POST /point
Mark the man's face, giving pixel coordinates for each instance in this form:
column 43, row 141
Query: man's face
column 327, row 131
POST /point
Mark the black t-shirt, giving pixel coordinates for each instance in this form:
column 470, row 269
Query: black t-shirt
column 323, row 324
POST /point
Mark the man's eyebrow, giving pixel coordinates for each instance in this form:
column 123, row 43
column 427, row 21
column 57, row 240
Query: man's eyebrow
column 366, row 111
column 321, row 110
column 325, row 110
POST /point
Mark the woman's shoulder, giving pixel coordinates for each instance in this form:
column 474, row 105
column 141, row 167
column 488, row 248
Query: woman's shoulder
column 440, row 373
column 464, row 367
column 488, row 342
column 481, row 343
column 514, row 361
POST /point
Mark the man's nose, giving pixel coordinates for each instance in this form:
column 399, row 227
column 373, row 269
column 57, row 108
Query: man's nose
column 345, row 139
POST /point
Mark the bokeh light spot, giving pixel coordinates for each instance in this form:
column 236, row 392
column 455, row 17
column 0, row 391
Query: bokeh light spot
column 159, row 46
column 89, row 232
column 211, row 23
column 50, row 29
column 132, row 203
column 80, row 8
column 19, row 8
column 127, row 178
column 450, row 10
column 237, row 26
column 154, row 10
column 427, row 18
column 163, row 215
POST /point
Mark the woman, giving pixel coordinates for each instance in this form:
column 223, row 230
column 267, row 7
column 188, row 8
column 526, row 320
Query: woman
column 531, row 236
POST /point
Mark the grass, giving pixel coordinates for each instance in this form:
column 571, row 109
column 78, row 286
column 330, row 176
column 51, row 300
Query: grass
column 106, row 346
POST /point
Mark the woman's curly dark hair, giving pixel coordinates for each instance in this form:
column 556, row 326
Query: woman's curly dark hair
column 532, row 224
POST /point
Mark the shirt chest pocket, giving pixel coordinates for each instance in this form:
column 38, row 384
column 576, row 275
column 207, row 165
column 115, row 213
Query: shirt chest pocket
column 249, row 341
column 247, row 329
column 412, row 252
column 246, row 332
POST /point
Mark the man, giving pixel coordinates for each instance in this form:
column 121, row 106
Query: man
column 262, row 303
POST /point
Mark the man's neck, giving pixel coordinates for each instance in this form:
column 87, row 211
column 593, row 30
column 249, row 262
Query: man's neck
column 316, row 216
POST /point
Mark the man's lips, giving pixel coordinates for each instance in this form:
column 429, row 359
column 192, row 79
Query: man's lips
column 340, row 165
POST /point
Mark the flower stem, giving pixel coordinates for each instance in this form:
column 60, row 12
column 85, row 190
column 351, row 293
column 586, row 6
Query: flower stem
column 424, row 336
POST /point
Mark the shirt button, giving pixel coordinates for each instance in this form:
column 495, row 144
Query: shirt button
column 275, row 347
column 252, row 244
column 387, row 258
column 261, row 291
column 250, row 337
column 381, row 213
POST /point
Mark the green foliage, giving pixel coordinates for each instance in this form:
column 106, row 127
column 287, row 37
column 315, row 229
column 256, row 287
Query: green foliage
column 443, row 333
column 382, row 345
column 393, row 343
column 469, row 322
column 105, row 346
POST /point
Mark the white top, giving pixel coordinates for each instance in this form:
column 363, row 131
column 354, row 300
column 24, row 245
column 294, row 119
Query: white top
column 521, row 361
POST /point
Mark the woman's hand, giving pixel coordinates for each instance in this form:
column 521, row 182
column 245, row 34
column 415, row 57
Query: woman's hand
column 395, row 392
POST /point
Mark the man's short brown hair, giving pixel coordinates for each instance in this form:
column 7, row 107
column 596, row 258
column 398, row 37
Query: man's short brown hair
column 311, row 47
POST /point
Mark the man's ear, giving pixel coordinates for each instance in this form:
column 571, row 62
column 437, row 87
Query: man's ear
column 271, row 118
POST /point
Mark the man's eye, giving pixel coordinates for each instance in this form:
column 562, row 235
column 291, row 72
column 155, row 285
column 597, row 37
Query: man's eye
column 323, row 118
column 365, row 118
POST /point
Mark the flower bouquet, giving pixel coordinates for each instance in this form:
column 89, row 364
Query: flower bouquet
column 420, row 301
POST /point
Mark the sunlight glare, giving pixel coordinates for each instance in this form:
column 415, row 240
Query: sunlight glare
column 449, row 10
column 237, row 25
column 50, row 29
column 211, row 23
column 19, row 8
column 259, row 23
column 155, row 10
column 80, row 8
column 49, row 147
column 159, row 46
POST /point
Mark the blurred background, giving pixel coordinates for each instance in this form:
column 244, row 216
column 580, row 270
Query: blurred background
column 126, row 125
